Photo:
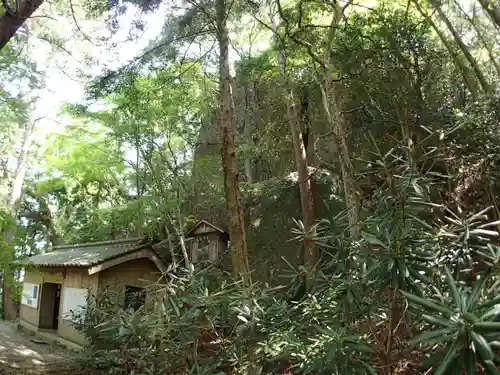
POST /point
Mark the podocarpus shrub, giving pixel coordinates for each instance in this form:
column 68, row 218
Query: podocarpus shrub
column 353, row 315
column 204, row 323
column 359, row 311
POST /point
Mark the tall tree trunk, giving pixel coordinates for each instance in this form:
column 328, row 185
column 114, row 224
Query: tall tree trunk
column 330, row 93
column 20, row 173
column 481, row 38
column 493, row 10
column 310, row 252
column 239, row 252
column 458, row 61
column 15, row 17
column 337, row 123
column 9, row 306
column 465, row 50
column 336, row 119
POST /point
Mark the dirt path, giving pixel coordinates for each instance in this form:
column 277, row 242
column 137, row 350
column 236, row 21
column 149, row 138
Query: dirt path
column 20, row 355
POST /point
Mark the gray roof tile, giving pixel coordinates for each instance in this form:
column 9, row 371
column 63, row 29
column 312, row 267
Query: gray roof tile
column 85, row 255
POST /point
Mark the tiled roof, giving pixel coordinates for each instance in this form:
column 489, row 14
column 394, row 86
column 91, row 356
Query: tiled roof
column 85, row 255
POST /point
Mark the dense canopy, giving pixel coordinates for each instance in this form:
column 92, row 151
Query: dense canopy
column 351, row 150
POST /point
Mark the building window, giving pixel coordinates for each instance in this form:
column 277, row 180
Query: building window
column 135, row 297
column 30, row 295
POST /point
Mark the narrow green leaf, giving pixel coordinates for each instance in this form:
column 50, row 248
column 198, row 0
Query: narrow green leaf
column 451, row 220
column 371, row 239
column 476, row 292
column 360, row 347
column 485, row 232
column 369, row 368
column 426, row 336
column 453, row 288
column 447, row 358
column 491, row 368
column 470, row 361
column 470, row 317
column 479, row 214
column 490, row 224
column 403, row 270
column 443, row 339
column 374, row 143
column 495, row 344
column 455, row 366
column 486, row 316
column 418, row 189
column 421, row 222
column 428, row 304
column 482, row 347
column 390, row 264
column 242, row 318
column 487, row 327
column 437, row 320
column 448, row 234
column 349, row 298
column 490, row 303
column 174, row 306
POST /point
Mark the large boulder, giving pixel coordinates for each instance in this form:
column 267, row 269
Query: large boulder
column 271, row 208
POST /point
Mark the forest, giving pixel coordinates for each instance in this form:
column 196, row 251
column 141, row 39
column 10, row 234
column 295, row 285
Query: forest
column 349, row 147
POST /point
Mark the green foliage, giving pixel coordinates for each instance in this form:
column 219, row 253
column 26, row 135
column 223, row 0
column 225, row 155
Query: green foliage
column 208, row 323
column 466, row 329
column 146, row 161
column 122, row 168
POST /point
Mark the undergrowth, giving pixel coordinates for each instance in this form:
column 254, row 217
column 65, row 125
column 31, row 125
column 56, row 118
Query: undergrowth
column 417, row 292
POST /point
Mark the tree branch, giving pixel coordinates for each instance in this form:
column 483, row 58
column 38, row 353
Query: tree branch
column 292, row 36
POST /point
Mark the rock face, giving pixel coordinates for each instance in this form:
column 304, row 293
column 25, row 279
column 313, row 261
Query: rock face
column 265, row 160
column 270, row 209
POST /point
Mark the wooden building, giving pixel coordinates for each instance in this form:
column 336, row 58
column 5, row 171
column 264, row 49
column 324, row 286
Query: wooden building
column 61, row 282
column 207, row 242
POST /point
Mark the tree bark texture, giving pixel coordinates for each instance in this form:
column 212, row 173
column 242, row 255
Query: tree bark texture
column 487, row 45
column 239, row 252
column 15, row 17
column 310, row 251
column 336, row 120
column 9, row 306
column 331, row 103
column 465, row 50
column 458, row 60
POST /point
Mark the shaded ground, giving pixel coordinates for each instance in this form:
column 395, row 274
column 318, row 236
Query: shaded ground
column 20, row 355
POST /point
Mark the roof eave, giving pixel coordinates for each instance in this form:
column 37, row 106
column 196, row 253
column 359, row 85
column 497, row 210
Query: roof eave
column 203, row 221
column 27, row 261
